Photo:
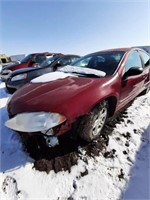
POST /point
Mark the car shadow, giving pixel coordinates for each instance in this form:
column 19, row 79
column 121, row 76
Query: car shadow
column 3, row 92
column 139, row 182
column 12, row 155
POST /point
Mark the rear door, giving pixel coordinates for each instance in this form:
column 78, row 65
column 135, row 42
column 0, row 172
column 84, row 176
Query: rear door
column 146, row 65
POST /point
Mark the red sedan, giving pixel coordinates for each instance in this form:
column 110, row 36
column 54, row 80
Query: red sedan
column 81, row 96
column 31, row 60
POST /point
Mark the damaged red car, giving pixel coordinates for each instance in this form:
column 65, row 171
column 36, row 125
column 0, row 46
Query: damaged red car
column 81, row 96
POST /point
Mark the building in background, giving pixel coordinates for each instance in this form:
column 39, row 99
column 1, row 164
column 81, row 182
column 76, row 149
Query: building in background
column 4, row 58
column 18, row 57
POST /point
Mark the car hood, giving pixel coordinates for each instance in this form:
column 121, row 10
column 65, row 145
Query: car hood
column 69, row 96
column 9, row 66
column 23, row 70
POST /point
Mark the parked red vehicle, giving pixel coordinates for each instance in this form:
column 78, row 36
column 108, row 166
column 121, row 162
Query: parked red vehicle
column 80, row 96
column 30, row 60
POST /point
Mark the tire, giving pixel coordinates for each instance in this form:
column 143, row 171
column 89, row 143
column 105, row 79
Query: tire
column 91, row 125
column 10, row 90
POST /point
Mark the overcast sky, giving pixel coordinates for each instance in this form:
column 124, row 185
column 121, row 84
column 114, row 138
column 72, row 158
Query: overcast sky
column 69, row 26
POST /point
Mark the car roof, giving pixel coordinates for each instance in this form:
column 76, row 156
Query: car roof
column 45, row 53
column 71, row 55
column 127, row 49
column 118, row 49
column 54, row 54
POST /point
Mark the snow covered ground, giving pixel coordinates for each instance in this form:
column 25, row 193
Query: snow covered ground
column 125, row 175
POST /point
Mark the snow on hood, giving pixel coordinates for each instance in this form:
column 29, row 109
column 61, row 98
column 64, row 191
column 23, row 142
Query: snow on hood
column 82, row 70
column 66, row 72
column 52, row 76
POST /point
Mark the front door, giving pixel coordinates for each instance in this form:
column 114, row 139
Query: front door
column 133, row 84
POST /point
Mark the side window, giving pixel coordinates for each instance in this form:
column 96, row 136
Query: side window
column 84, row 62
column 39, row 59
column 74, row 58
column 65, row 61
column 146, row 58
column 133, row 61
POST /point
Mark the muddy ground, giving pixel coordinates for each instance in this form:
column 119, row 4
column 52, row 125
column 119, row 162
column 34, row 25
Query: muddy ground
column 66, row 154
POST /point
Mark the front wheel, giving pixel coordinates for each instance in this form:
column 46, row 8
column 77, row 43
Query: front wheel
column 91, row 125
column 9, row 90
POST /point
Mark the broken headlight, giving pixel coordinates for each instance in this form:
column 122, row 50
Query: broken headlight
column 35, row 121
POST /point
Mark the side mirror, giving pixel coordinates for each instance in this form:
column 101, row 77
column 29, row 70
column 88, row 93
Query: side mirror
column 133, row 71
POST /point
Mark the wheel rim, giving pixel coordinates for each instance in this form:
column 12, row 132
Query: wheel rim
column 99, row 121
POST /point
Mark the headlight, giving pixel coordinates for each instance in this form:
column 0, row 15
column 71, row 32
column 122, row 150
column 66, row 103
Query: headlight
column 6, row 71
column 35, row 121
column 19, row 77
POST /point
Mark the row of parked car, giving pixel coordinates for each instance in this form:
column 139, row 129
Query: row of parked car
column 32, row 66
column 69, row 92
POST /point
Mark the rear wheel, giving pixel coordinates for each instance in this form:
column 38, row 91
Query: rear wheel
column 91, row 125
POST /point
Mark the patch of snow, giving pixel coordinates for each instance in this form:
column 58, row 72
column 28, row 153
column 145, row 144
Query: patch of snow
column 81, row 70
column 125, row 176
column 51, row 76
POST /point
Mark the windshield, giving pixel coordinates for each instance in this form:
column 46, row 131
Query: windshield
column 103, row 61
column 49, row 61
column 26, row 59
